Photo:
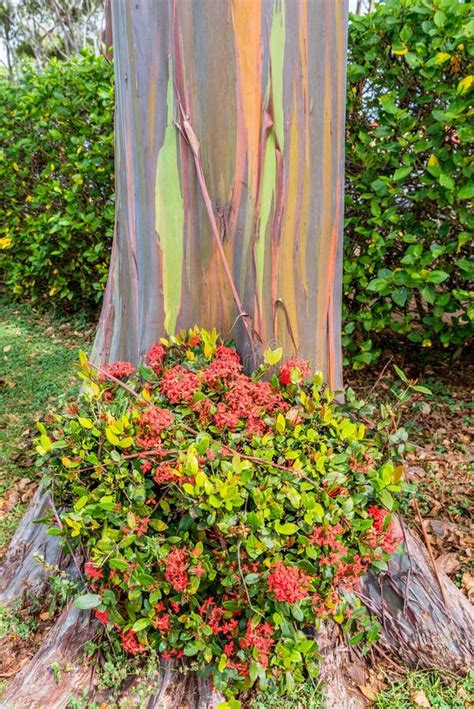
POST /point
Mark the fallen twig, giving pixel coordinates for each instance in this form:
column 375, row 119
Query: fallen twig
column 432, row 558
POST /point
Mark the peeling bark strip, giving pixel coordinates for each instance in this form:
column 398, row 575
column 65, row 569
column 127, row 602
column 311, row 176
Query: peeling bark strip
column 262, row 82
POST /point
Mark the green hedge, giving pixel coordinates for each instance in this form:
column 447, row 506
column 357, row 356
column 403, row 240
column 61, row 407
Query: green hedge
column 410, row 176
column 56, row 172
column 409, row 187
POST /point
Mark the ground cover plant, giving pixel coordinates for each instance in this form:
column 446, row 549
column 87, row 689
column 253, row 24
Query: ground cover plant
column 221, row 515
column 37, row 352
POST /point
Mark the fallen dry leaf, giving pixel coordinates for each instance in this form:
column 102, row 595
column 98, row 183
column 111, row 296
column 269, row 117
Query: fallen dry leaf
column 420, row 699
column 368, row 692
column 467, row 584
column 449, row 563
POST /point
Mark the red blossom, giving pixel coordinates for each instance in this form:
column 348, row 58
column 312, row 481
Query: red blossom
column 155, row 356
column 288, row 583
column 198, row 570
column 388, row 540
column 176, row 569
column 119, row 370
column 225, row 367
column 164, row 473
column 285, row 370
column 203, row 408
column 91, row 570
column 141, row 526
column 225, row 418
column 179, row 385
column 101, row 616
column 153, row 421
column 130, row 643
column 162, row 623
column 259, row 638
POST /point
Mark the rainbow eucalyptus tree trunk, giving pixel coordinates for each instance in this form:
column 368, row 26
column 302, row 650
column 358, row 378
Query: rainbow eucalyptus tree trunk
column 229, row 136
column 261, row 83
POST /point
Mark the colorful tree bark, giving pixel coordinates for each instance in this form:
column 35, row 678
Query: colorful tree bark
column 261, row 84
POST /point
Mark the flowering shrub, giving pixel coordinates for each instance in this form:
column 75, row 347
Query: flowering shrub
column 222, row 515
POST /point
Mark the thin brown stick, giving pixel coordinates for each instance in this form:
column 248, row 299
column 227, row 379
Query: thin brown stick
column 191, row 139
column 431, row 555
column 377, row 381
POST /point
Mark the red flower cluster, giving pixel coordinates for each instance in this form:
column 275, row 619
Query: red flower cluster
column 91, row 570
column 260, row 638
column 179, row 384
column 285, row 371
column 101, row 616
column 387, row 540
column 225, row 418
column 214, row 617
column 130, row 643
column 164, row 473
column 224, row 367
column 162, row 623
column 119, row 370
column 176, row 571
column 155, row 356
column 288, row 583
column 153, row 421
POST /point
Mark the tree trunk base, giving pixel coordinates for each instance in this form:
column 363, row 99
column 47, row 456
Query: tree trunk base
column 20, row 571
column 417, row 629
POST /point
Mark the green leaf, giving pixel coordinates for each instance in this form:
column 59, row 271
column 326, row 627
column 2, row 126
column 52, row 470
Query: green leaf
column 280, row 423
column 446, row 181
column 437, row 276
column 466, row 192
column 88, row 601
column 400, row 295
column 402, row 172
column 287, row 528
column 111, row 437
column 386, row 499
column 401, row 374
column 142, row 624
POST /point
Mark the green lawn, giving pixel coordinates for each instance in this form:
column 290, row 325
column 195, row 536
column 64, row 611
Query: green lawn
column 37, row 359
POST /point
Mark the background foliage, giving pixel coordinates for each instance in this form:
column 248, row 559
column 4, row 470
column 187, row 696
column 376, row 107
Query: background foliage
column 409, row 175
column 56, row 171
column 409, row 178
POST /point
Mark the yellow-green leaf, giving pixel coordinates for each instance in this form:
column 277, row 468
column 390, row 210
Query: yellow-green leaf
column 442, row 57
column 465, row 84
column 111, row 437
column 272, row 357
column 126, row 442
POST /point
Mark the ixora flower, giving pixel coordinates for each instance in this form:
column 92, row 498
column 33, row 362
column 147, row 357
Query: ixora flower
column 289, row 584
column 221, row 512
column 119, row 370
column 299, row 366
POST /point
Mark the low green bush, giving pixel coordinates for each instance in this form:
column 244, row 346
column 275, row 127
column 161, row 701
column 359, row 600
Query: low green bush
column 56, row 171
column 409, row 176
column 222, row 515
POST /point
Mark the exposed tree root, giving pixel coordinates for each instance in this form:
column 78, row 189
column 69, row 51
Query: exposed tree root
column 418, row 629
column 20, row 572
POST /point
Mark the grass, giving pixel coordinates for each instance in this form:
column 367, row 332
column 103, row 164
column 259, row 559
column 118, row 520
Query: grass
column 410, row 692
column 309, row 695
column 37, row 353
